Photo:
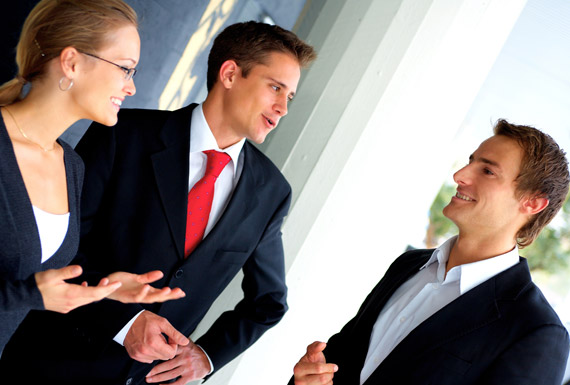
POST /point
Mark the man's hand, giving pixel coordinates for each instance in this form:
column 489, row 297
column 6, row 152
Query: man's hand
column 190, row 364
column 145, row 341
column 312, row 368
column 63, row 297
column 136, row 288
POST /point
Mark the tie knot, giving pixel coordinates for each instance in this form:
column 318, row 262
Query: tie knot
column 216, row 162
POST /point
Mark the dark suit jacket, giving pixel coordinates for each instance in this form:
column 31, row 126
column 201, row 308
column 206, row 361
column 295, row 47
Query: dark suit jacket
column 134, row 218
column 501, row 332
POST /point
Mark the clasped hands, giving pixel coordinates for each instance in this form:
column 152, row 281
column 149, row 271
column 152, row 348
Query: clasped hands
column 62, row 297
column 312, row 368
column 152, row 337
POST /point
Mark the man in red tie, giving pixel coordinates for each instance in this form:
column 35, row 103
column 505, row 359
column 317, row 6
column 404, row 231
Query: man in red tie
column 184, row 192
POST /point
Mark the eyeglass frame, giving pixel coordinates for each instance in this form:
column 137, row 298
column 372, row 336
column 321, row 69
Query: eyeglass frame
column 129, row 72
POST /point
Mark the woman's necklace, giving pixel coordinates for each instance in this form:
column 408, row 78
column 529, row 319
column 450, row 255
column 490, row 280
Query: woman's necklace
column 26, row 136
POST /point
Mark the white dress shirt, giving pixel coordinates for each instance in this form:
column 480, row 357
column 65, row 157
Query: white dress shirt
column 202, row 139
column 423, row 295
column 52, row 229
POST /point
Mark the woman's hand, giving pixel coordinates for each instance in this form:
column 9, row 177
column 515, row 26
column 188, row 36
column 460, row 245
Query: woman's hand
column 135, row 288
column 63, row 297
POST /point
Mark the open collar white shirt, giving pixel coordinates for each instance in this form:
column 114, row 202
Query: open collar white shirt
column 423, row 295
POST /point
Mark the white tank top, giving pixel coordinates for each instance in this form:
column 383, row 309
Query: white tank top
column 52, row 229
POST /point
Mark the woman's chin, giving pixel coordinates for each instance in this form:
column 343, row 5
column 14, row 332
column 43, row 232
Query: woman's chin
column 108, row 120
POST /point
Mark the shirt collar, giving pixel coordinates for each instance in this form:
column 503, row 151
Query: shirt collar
column 472, row 274
column 441, row 254
column 202, row 139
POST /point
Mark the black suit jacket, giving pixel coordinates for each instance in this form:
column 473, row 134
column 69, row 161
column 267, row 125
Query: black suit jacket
column 134, row 218
column 503, row 331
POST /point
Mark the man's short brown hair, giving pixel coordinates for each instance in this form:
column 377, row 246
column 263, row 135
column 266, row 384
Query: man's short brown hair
column 250, row 43
column 543, row 173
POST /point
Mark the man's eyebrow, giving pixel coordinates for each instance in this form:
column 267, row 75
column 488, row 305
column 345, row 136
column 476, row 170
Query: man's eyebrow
column 484, row 160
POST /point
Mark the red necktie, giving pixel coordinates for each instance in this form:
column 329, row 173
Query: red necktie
column 200, row 200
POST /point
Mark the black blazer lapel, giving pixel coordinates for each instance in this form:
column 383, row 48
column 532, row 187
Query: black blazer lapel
column 398, row 273
column 475, row 309
column 469, row 312
column 171, row 171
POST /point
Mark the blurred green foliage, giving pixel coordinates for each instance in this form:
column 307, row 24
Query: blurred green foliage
column 440, row 228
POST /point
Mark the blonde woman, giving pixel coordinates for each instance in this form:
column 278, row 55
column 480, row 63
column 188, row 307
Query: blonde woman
column 79, row 58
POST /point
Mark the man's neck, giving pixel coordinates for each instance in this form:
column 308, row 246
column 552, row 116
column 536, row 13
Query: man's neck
column 469, row 249
column 213, row 110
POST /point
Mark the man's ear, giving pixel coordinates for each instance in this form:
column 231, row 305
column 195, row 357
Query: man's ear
column 68, row 60
column 533, row 205
column 229, row 70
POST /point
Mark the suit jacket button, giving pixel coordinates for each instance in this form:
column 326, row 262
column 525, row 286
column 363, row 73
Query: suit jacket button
column 178, row 273
column 129, row 381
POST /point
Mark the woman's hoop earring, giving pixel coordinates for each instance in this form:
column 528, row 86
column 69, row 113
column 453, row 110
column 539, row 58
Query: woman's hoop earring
column 61, row 82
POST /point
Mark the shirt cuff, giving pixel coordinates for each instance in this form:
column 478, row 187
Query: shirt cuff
column 209, row 360
column 120, row 337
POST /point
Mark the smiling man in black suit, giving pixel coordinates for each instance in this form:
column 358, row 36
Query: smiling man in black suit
column 468, row 312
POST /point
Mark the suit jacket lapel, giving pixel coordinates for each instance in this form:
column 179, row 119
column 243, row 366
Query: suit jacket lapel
column 471, row 311
column 475, row 309
column 376, row 301
column 392, row 281
column 171, row 170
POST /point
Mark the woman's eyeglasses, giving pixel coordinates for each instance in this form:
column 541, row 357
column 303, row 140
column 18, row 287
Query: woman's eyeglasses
column 129, row 72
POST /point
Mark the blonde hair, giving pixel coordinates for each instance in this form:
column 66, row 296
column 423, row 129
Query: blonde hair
column 56, row 24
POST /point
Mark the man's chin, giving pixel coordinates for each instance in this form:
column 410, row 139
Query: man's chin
column 258, row 139
column 447, row 212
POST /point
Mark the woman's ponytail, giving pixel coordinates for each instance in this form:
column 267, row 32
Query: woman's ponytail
column 11, row 91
